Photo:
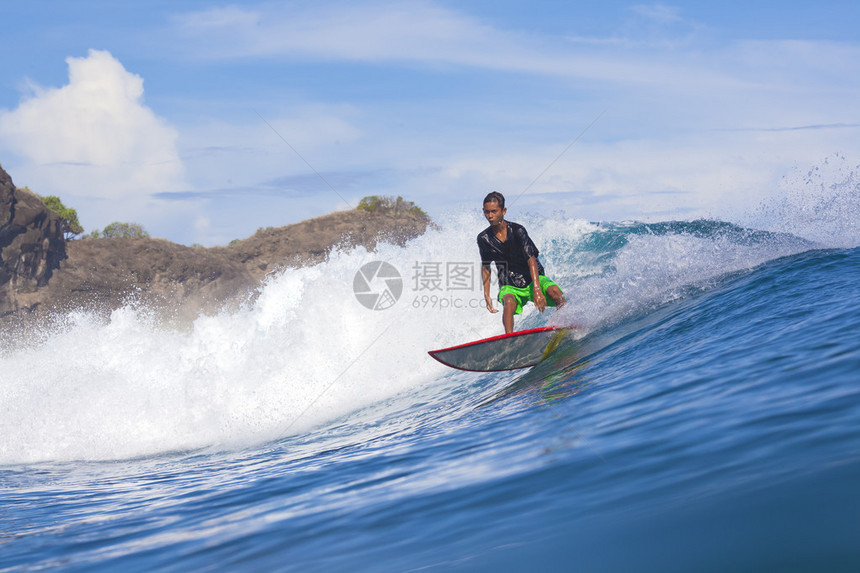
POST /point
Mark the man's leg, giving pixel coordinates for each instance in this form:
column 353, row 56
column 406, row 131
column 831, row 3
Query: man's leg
column 509, row 302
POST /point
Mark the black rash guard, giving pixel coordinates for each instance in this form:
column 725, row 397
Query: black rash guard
column 511, row 257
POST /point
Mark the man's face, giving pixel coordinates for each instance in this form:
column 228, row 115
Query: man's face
column 494, row 213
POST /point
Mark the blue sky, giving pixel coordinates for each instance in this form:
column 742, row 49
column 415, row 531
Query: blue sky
column 205, row 121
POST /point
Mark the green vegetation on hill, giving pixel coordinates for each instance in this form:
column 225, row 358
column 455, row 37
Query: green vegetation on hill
column 68, row 216
column 382, row 204
column 118, row 230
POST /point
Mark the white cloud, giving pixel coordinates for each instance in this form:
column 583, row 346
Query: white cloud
column 93, row 138
column 417, row 32
column 380, row 31
column 659, row 13
column 413, row 32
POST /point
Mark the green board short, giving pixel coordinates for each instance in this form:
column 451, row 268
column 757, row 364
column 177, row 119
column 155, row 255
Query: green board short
column 524, row 295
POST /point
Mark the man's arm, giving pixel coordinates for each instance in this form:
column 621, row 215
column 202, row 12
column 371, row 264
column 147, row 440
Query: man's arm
column 540, row 301
column 485, row 278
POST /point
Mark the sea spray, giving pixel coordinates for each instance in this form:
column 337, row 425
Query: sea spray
column 305, row 351
column 820, row 203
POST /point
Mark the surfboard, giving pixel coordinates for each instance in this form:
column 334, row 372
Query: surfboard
column 504, row 352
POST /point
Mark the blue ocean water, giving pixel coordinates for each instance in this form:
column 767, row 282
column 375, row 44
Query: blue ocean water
column 705, row 416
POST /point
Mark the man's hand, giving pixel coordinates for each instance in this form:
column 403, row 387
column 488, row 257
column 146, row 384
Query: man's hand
column 490, row 306
column 485, row 280
column 540, row 301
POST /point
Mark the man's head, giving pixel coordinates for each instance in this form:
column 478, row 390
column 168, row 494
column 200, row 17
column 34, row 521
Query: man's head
column 495, row 197
column 494, row 208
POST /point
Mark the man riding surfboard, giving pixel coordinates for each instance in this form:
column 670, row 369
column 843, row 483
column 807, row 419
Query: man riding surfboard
column 509, row 246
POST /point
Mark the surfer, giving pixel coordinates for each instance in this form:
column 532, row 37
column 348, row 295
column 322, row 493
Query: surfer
column 516, row 256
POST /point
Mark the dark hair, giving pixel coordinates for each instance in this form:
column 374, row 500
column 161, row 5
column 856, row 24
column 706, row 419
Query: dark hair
column 495, row 197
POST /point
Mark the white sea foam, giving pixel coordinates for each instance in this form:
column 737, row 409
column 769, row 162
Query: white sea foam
column 653, row 270
column 304, row 352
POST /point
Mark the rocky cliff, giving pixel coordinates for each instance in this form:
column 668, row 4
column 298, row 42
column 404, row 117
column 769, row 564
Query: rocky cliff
column 31, row 245
column 40, row 273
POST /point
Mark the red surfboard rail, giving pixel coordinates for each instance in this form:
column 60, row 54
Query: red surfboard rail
column 503, row 352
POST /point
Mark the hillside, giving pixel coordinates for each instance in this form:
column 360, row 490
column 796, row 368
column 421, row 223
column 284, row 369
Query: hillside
column 41, row 273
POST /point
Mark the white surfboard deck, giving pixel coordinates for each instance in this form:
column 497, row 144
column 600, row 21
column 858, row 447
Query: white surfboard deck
column 504, row 352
